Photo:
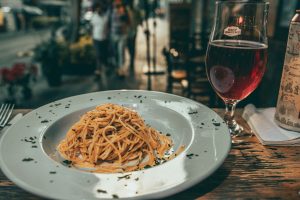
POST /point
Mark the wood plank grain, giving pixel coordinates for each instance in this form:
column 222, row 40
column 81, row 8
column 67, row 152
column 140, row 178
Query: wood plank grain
column 251, row 170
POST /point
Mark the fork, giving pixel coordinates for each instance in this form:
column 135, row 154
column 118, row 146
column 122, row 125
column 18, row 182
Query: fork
column 5, row 112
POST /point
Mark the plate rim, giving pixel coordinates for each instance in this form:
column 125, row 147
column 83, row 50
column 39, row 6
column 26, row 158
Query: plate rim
column 164, row 193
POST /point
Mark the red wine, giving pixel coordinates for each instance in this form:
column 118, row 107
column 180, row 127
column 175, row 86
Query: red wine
column 235, row 67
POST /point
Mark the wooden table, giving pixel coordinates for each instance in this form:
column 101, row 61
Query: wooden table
column 251, row 171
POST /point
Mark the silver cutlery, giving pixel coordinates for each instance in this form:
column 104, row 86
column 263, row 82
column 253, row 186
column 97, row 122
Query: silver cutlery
column 5, row 113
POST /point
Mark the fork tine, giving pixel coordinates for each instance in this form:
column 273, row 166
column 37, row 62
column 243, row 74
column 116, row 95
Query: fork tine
column 3, row 114
column 6, row 114
column 2, row 110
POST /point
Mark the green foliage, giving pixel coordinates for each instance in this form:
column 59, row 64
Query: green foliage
column 52, row 55
column 58, row 56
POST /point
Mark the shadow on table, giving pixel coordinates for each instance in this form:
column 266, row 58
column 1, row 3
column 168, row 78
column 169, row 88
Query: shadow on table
column 208, row 184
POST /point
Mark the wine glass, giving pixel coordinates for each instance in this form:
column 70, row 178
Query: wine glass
column 236, row 56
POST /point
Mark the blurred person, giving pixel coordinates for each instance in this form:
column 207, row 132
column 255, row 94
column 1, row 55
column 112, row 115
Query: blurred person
column 135, row 17
column 27, row 19
column 2, row 21
column 100, row 31
column 119, row 25
column 19, row 19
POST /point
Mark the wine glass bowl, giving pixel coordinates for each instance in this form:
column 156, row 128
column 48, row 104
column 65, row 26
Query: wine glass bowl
column 236, row 56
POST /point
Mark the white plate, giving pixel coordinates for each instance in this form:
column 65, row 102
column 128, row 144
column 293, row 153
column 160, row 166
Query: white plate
column 35, row 136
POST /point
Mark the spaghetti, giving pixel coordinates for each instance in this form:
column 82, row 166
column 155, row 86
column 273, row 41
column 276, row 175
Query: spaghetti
column 112, row 138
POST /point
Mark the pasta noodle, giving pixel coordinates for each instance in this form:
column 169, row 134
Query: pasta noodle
column 112, row 138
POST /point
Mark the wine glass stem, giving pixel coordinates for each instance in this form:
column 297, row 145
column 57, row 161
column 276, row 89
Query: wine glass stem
column 229, row 117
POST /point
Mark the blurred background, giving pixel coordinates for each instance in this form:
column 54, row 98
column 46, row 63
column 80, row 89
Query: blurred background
column 49, row 49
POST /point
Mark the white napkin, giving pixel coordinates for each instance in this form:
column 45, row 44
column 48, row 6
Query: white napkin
column 266, row 130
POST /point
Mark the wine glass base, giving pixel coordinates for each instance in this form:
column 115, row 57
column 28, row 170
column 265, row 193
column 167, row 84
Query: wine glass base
column 234, row 128
column 237, row 132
